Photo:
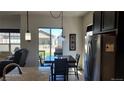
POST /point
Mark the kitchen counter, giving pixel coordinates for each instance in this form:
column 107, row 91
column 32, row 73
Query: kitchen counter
column 29, row 74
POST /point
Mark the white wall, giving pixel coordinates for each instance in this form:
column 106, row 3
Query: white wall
column 87, row 20
column 71, row 25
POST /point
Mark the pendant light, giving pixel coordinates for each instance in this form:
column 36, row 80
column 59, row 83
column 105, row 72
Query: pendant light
column 60, row 15
column 27, row 34
column 63, row 37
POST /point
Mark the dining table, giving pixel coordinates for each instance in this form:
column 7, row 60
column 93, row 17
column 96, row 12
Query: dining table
column 51, row 60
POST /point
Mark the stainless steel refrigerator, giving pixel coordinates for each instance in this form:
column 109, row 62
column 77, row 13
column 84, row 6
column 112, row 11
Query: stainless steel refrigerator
column 89, row 56
column 99, row 57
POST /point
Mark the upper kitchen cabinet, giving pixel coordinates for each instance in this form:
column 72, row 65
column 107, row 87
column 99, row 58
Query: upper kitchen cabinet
column 96, row 22
column 108, row 20
column 104, row 21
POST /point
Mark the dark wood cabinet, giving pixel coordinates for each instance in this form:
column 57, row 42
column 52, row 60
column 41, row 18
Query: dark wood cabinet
column 104, row 21
column 108, row 20
column 120, row 47
column 97, row 22
column 108, row 57
column 112, row 45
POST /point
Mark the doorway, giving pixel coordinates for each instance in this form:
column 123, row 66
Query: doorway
column 50, row 41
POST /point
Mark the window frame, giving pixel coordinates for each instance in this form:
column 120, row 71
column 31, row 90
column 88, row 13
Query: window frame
column 9, row 31
column 50, row 28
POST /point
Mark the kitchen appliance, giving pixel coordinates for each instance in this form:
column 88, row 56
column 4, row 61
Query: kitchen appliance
column 110, row 25
column 88, row 59
column 99, row 63
column 104, row 57
column 92, row 57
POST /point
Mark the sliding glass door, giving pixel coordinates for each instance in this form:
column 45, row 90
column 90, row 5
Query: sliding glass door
column 56, row 42
column 44, row 42
column 49, row 41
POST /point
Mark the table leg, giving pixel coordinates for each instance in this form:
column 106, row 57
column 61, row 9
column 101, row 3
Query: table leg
column 52, row 72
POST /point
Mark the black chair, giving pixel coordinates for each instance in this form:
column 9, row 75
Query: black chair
column 18, row 58
column 41, row 60
column 22, row 61
column 58, row 52
column 41, row 57
column 42, row 64
column 59, row 70
column 75, row 66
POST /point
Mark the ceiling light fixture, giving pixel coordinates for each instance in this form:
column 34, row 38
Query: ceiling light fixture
column 56, row 16
column 28, row 34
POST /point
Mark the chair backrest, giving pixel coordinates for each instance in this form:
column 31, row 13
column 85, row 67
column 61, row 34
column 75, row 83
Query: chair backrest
column 61, row 67
column 15, row 59
column 58, row 52
column 20, row 57
column 77, row 58
column 22, row 61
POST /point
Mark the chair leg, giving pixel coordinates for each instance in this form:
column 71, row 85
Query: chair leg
column 77, row 76
column 41, row 63
column 54, row 77
column 65, row 77
column 76, row 73
column 50, row 77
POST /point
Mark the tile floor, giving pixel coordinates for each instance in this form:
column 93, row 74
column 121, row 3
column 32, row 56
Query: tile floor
column 71, row 77
column 36, row 74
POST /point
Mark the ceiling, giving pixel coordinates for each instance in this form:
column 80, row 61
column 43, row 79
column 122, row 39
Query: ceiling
column 45, row 13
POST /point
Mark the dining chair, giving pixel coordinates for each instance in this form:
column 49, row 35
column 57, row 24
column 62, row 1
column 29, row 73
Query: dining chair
column 42, row 63
column 59, row 70
column 58, row 52
column 41, row 60
column 75, row 66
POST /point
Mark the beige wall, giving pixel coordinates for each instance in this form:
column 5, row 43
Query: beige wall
column 71, row 25
column 87, row 20
column 9, row 21
column 35, row 21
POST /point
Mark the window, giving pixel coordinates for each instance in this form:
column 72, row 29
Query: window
column 4, row 42
column 14, row 41
column 49, row 40
column 9, row 41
